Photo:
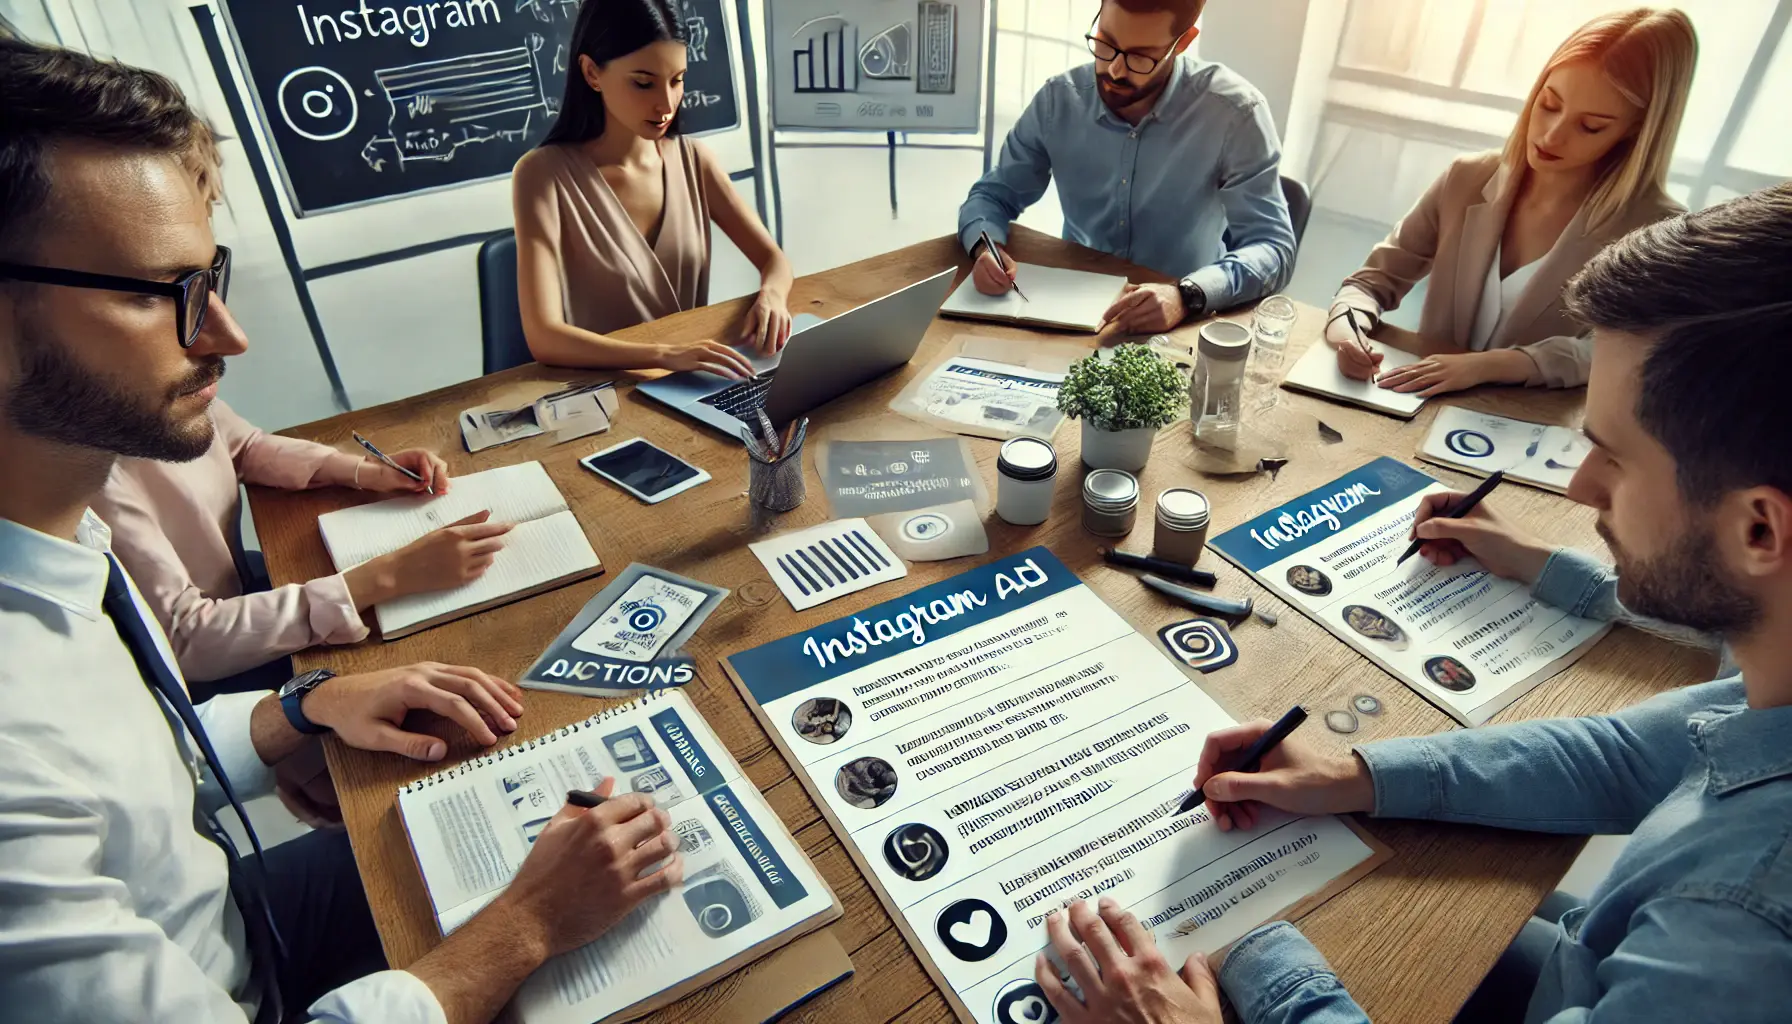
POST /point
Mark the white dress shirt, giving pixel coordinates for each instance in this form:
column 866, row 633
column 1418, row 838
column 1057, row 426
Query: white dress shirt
column 113, row 907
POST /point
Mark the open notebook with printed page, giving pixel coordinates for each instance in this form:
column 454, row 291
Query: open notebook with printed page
column 1072, row 299
column 1317, row 373
column 748, row 886
column 546, row 549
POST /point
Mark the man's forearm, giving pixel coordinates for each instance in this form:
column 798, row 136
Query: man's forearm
column 475, row 971
column 274, row 737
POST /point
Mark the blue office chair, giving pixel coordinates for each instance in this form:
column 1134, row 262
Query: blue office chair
column 1300, row 206
column 500, row 315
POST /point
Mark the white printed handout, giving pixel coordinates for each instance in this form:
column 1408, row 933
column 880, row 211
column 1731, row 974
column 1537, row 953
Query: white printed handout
column 1462, row 638
column 746, row 883
column 1481, row 443
column 999, row 744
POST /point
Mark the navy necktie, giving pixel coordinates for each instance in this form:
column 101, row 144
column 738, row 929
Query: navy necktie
column 247, row 884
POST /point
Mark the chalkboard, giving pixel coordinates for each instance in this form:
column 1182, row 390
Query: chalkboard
column 370, row 100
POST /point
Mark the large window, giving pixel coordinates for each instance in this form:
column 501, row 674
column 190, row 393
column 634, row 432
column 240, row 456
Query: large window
column 1418, row 81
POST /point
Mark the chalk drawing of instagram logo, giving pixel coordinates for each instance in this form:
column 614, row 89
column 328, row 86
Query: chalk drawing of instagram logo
column 1022, row 1001
column 646, row 618
column 318, row 103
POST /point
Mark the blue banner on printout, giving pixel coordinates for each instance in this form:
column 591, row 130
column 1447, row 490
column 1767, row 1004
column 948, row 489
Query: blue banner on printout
column 703, row 773
column 756, row 849
column 1320, row 513
column 797, row 662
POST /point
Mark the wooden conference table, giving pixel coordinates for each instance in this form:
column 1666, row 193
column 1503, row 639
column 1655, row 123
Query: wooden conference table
column 1411, row 940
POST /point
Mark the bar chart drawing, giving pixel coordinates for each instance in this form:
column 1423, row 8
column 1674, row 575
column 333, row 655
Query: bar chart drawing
column 822, row 59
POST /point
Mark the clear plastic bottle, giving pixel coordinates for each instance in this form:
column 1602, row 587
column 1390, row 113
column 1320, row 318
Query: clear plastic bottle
column 1216, row 391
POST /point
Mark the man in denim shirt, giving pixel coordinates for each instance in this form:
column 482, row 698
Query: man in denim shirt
column 1691, row 473
column 1161, row 159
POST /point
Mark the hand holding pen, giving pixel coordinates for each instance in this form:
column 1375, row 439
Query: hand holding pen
column 1290, row 775
column 1345, row 330
column 412, row 469
column 996, row 277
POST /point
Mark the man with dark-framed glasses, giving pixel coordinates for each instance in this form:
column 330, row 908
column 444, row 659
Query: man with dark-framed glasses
column 122, row 897
column 1160, row 158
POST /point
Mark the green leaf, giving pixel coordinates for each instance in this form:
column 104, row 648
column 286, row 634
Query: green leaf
column 1135, row 387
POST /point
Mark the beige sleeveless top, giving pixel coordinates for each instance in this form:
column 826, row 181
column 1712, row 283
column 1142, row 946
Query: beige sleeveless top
column 610, row 275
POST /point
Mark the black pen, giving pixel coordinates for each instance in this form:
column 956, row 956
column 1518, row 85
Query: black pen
column 387, row 459
column 997, row 253
column 583, row 798
column 1458, row 510
column 1253, row 755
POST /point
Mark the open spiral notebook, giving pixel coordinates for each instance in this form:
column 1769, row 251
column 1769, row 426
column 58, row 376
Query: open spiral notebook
column 547, row 548
column 748, row 886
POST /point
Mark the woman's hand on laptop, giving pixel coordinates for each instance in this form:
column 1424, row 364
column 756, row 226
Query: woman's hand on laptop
column 704, row 354
column 767, row 324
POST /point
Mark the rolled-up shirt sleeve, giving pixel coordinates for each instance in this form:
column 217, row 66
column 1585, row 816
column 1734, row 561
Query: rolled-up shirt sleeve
column 226, row 720
column 1275, row 976
column 1262, row 236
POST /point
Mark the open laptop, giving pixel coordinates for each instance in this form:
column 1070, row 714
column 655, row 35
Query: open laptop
column 823, row 360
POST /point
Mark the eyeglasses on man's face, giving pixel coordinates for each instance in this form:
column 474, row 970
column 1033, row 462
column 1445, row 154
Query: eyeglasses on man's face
column 1107, row 53
column 191, row 291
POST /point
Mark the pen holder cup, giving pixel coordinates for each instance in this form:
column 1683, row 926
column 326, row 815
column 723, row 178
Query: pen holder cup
column 777, row 486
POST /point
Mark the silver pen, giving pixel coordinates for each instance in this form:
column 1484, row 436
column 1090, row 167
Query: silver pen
column 383, row 457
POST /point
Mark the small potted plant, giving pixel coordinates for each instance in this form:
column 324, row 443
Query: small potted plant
column 1123, row 400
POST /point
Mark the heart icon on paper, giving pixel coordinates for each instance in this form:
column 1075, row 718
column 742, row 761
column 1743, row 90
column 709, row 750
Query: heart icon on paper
column 971, row 930
column 1022, row 1001
column 974, row 932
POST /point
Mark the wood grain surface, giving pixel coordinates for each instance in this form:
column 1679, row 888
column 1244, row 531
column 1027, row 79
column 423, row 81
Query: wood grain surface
column 1410, row 941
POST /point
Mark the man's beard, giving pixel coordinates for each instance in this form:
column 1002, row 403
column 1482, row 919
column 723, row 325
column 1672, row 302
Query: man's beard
column 1118, row 95
column 57, row 400
column 1683, row 585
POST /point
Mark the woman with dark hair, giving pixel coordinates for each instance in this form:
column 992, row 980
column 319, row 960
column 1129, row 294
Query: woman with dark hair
column 613, row 209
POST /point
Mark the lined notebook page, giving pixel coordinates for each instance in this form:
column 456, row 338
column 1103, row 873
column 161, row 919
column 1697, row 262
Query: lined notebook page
column 1061, row 298
column 537, row 553
column 514, row 494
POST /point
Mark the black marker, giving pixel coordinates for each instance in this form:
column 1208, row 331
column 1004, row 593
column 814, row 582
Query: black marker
column 1253, row 755
column 1226, row 608
column 583, row 798
column 1174, row 570
column 1458, row 510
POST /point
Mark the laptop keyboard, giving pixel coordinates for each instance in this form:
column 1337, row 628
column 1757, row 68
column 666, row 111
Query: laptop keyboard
column 743, row 399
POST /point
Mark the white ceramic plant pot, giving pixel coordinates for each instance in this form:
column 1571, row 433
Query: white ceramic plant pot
column 1117, row 449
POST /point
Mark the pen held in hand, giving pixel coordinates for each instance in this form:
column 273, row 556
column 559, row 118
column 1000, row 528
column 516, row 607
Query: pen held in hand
column 583, row 798
column 997, row 255
column 387, row 459
column 1254, row 754
column 1457, row 511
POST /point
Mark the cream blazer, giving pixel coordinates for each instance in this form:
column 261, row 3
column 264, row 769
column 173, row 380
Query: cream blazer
column 1453, row 233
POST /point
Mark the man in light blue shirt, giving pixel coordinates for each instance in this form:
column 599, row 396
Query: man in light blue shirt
column 1161, row 159
column 1691, row 474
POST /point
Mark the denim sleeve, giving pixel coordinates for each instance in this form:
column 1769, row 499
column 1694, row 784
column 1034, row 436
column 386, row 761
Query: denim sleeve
column 1275, row 976
column 1580, row 776
column 1262, row 255
column 1579, row 584
column 1693, row 958
column 1016, row 181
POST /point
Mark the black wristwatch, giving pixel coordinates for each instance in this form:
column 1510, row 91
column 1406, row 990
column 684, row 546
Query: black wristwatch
column 293, row 694
column 1194, row 300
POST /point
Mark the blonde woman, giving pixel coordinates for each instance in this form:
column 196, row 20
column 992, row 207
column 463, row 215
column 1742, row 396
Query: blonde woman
column 1500, row 233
